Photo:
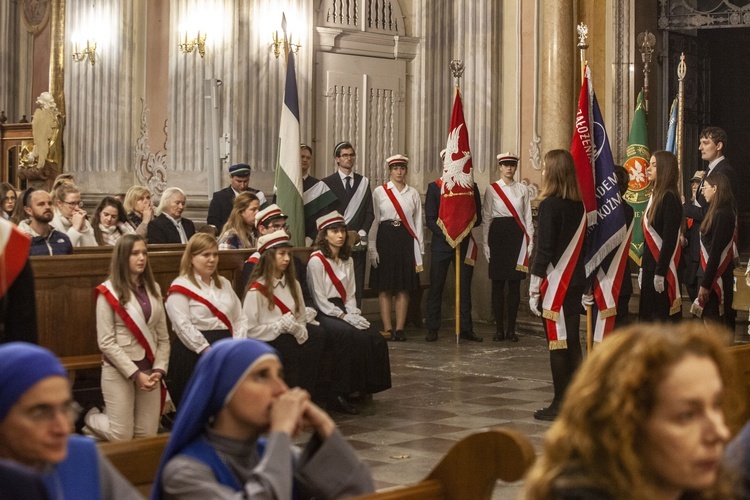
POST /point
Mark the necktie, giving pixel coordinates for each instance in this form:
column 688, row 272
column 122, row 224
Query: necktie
column 348, row 186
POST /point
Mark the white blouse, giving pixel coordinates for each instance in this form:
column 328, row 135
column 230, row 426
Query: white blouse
column 262, row 320
column 321, row 286
column 189, row 317
column 384, row 210
column 494, row 207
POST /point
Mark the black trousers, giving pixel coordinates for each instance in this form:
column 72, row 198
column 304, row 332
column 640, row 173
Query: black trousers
column 500, row 300
column 359, row 259
column 439, row 267
column 564, row 362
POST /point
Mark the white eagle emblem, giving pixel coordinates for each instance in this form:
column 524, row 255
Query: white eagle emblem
column 453, row 170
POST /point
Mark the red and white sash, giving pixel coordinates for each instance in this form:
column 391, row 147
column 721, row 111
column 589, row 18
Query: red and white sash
column 555, row 286
column 183, row 290
column 654, row 244
column 717, row 285
column 607, row 286
column 132, row 316
column 471, row 251
column 256, row 285
column 522, row 264
column 406, row 219
column 337, row 284
column 14, row 250
column 253, row 259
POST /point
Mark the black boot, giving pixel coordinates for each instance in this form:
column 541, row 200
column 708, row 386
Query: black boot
column 499, row 336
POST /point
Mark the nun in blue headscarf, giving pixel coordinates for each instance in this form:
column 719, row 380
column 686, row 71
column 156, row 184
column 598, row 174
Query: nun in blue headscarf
column 233, row 435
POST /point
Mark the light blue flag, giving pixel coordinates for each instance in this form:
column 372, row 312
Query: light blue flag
column 672, row 129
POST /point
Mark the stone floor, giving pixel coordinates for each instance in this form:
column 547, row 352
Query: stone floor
column 443, row 392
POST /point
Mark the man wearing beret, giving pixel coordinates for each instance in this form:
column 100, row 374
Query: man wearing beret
column 222, row 201
column 37, row 412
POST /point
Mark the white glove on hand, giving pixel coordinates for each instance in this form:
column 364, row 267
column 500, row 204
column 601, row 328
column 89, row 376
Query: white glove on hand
column 640, row 278
column 534, row 295
column 487, row 252
column 357, row 321
column 587, row 300
column 534, row 305
column 531, row 248
column 659, row 283
column 288, row 323
column 374, row 257
column 310, row 315
column 300, row 333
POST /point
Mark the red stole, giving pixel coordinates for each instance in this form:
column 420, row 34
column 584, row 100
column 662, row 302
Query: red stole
column 255, row 285
column 654, row 244
column 14, row 251
column 408, row 222
column 337, row 284
column 215, row 310
column 523, row 256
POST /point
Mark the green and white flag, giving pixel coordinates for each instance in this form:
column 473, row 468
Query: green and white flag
column 639, row 187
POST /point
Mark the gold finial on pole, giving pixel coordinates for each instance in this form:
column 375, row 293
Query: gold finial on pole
column 583, row 33
column 681, row 71
column 646, row 42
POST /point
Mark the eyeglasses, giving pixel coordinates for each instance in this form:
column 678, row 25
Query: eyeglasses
column 74, row 204
column 347, row 155
column 278, row 227
column 47, row 413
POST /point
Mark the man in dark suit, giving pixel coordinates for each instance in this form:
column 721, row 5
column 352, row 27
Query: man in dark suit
column 712, row 145
column 170, row 226
column 222, row 201
column 442, row 256
column 354, row 200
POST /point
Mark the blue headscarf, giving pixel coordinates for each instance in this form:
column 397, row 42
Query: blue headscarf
column 21, row 366
column 216, row 374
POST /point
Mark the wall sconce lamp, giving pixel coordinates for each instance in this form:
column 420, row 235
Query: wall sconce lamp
column 89, row 52
column 187, row 46
column 287, row 43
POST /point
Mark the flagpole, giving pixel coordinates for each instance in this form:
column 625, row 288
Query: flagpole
column 583, row 33
column 681, row 71
column 457, row 70
column 646, row 42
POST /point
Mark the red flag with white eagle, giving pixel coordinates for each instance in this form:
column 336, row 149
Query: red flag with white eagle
column 457, row 207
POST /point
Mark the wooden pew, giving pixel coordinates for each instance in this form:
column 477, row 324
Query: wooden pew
column 740, row 388
column 469, row 470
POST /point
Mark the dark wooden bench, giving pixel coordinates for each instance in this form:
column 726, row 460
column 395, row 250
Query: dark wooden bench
column 739, row 414
column 469, row 470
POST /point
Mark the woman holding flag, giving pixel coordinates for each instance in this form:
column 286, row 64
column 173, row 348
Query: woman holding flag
column 397, row 235
column 131, row 330
column 202, row 307
column 507, row 231
column 557, row 274
column 661, row 298
column 717, row 239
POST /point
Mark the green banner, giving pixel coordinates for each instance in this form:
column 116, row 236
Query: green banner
column 639, row 188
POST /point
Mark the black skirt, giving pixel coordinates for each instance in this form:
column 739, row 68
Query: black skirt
column 505, row 241
column 396, row 270
column 182, row 363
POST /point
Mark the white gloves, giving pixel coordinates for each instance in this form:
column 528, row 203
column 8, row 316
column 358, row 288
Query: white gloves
column 310, row 314
column 357, row 321
column 640, row 278
column 587, row 300
column 658, row 283
column 531, row 248
column 534, row 296
column 372, row 253
column 487, row 252
column 288, row 323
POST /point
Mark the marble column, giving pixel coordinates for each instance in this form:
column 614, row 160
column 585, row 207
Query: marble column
column 560, row 70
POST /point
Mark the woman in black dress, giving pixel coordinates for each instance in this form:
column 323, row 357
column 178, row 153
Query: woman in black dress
column 661, row 299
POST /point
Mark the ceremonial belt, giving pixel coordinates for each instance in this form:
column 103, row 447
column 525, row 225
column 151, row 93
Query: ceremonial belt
column 408, row 222
column 522, row 263
column 654, row 243
column 607, row 286
column 555, row 286
column 337, row 284
column 277, row 301
column 215, row 310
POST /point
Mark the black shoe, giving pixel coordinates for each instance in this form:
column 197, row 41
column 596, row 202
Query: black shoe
column 547, row 414
column 399, row 336
column 470, row 336
column 498, row 337
column 341, row 405
column 512, row 337
column 391, row 337
column 431, row 336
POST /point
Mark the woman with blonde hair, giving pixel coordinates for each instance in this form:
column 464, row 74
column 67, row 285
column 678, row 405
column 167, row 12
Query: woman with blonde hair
column 202, row 307
column 139, row 208
column 131, row 329
column 661, row 298
column 239, row 231
column 557, row 273
column 644, row 418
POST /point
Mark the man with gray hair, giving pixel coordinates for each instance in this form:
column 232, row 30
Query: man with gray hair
column 169, row 226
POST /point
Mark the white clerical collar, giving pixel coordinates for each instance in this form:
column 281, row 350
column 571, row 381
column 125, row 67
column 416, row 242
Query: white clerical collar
column 714, row 163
